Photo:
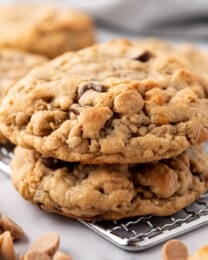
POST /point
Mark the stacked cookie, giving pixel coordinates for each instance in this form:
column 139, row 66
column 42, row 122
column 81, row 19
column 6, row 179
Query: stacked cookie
column 108, row 132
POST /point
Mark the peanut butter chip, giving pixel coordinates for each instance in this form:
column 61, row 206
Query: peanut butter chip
column 48, row 243
column 200, row 254
column 6, row 224
column 128, row 102
column 174, row 250
column 35, row 255
column 93, row 120
column 61, row 256
column 6, row 247
column 157, row 96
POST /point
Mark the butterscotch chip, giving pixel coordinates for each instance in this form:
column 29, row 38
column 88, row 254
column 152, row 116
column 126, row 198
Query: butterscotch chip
column 174, row 250
column 6, row 224
column 35, row 255
column 103, row 103
column 44, row 29
column 6, row 247
column 129, row 102
column 61, row 256
column 47, row 243
column 112, row 191
column 200, row 254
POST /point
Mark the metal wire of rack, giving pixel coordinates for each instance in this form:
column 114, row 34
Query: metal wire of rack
column 139, row 233
column 144, row 232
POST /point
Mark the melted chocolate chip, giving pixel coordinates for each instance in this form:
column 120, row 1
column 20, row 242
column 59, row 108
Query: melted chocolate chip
column 108, row 124
column 116, row 115
column 88, row 86
column 75, row 111
column 107, row 128
column 144, row 57
column 55, row 164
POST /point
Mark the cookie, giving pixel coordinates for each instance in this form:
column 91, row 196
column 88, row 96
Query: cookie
column 110, row 191
column 13, row 66
column 110, row 103
column 45, row 30
column 195, row 58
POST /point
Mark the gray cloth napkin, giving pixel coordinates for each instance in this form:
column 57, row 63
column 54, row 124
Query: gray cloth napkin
column 182, row 18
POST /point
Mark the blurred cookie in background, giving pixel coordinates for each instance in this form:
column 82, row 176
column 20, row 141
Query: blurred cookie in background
column 14, row 65
column 45, row 30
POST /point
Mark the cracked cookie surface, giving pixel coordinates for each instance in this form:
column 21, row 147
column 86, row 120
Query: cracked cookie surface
column 196, row 58
column 45, row 30
column 14, row 65
column 110, row 103
column 110, row 191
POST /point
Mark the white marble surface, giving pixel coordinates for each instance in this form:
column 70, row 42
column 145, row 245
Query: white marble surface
column 77, row 240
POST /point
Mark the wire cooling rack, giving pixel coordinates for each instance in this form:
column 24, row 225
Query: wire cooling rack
column 139, row 233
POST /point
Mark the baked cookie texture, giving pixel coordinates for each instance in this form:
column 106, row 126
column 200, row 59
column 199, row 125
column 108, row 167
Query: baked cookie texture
column 110, row 103
column 45, row 30
column 95, row 192
column 195, row 58
column 14, row 65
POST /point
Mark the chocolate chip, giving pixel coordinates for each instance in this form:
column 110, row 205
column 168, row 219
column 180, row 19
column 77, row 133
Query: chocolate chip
column 144, row 57
column 75, row 111
column 116, row 115
column 95, row 86
column 49, row 162
column 108, row 123
column 55, row 164
column 107, row 128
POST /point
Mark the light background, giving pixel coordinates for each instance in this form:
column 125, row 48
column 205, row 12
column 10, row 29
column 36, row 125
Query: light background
column 77, row 240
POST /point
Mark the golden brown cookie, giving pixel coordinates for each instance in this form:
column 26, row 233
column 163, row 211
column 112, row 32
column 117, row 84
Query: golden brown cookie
column 110, row 103
column 44, row 29
column 110, row 191
column 196, row 58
